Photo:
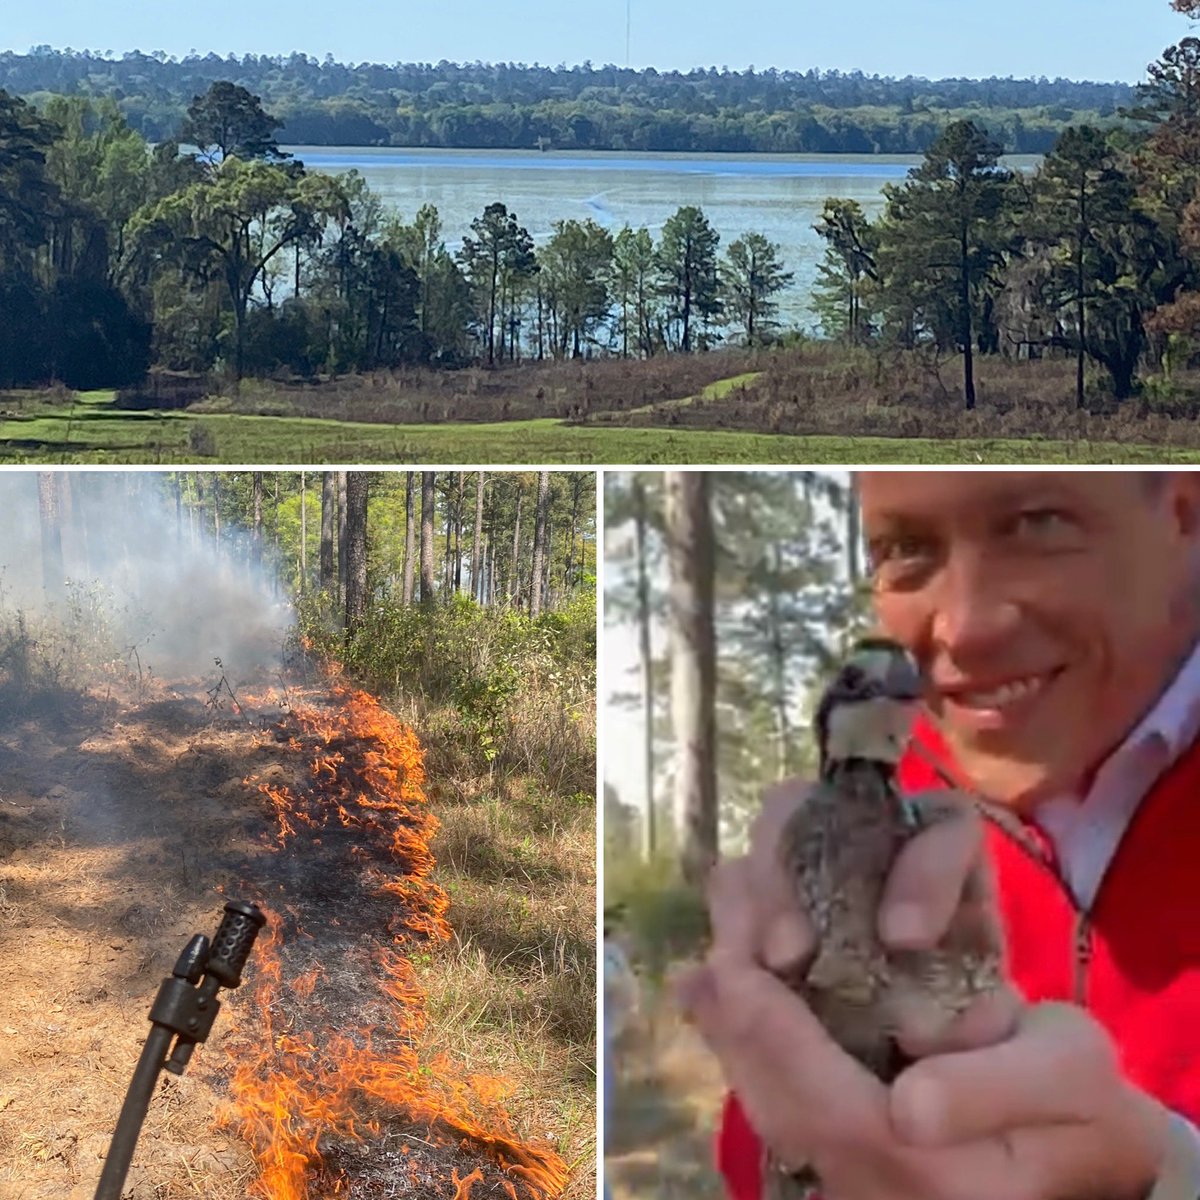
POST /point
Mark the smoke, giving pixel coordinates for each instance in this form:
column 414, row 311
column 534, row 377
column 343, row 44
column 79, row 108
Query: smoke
column 145, row 568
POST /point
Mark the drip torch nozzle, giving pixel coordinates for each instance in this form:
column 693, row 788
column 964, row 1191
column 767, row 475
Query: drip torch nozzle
column 183, row 1013
column 234, row 941
column 191, row 962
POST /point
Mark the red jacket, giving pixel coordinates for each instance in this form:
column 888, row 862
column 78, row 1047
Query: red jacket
column 1133, row 961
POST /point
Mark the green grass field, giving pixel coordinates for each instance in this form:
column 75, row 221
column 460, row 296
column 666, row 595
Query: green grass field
column 92, row 432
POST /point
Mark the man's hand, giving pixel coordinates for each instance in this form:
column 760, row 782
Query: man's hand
column 1012, row 1103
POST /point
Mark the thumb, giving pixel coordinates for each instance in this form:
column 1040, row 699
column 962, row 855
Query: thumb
column 1058, row 1067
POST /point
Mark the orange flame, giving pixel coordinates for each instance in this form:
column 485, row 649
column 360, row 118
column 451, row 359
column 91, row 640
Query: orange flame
column 295, row 1087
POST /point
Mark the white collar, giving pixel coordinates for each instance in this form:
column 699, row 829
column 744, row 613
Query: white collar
column 1086, row 830
column 1175, row 717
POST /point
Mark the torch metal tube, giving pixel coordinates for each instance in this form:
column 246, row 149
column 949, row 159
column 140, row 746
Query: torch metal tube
column 185, row 1008
column 133, row 1113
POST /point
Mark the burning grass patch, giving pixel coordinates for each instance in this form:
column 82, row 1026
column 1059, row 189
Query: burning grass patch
column 339, row 1086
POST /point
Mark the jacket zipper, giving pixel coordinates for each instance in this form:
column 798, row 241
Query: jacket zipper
column 1081, row 935
column 1083, row 954
column 1011, row 828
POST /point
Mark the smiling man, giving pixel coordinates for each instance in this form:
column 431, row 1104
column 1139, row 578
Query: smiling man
column 1056, row 617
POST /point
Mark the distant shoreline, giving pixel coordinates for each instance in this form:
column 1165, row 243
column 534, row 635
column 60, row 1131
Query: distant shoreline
column 525, row 158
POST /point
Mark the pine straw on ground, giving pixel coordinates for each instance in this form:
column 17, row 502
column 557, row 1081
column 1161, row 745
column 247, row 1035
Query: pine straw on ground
column 660, row 1139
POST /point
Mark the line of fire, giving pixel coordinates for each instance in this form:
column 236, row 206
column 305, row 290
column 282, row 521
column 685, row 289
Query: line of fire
column 349, row 716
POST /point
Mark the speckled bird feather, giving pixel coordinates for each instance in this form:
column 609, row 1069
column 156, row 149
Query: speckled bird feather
column 839, row 847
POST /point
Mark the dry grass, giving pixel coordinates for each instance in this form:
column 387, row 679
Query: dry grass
column 668, row 1096
column 823, row 389
column 409, row 395
column 515, row 993
column 659, row 1141
column 551, row 736
column 816, row 389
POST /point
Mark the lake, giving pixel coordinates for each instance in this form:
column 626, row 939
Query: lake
column 780, row 196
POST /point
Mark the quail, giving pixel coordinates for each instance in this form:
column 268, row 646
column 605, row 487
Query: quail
column 837, row 849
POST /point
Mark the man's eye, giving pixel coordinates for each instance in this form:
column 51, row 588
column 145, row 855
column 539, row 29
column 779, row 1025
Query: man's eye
column 900, row 549
column 1043, row 522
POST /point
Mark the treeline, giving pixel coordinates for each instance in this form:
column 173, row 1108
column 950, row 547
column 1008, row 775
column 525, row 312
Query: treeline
column 114, row 257
column 506, row 106
column 1096, row 255
column 522, row 541
column 517, row 540
column 471, row 593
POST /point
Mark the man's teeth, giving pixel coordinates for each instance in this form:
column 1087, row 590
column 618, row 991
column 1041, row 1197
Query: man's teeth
column 1005, row 694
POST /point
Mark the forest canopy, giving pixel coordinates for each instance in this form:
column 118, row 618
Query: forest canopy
column 582, row 107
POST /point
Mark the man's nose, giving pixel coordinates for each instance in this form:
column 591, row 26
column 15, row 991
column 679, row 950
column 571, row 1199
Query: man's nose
column 974, row 614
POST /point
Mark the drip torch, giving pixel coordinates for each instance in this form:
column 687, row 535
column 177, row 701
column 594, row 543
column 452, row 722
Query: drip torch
column 183, row 1013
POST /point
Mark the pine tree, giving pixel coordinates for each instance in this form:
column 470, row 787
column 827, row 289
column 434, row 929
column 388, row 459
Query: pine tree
column 751, row 276
column 687, row 260
column 943, row 240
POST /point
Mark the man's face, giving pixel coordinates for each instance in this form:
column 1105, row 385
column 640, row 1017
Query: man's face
column 1047, row 609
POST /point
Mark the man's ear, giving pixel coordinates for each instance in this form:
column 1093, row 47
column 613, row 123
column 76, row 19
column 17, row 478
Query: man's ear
column 1183, row 496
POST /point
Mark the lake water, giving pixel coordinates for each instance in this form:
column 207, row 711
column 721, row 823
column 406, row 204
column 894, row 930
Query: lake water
column 780, row 196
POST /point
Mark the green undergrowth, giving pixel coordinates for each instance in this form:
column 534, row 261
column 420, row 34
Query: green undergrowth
column 88, row 431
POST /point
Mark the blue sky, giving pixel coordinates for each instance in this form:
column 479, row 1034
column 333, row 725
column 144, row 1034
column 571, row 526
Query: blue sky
column 1078, row 39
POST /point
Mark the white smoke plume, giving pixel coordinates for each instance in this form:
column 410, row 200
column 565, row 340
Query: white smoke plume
column 148, row 569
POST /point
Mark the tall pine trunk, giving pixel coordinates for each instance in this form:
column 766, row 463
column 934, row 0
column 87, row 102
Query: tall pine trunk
column 427, row 502
column 326, row 577
column 853, row 534
column 515, row 583
column 691, row 558
column 257, row 535
column 476, row 557
column 539, row 544
column 356, row 550
column 448, row 566
column 458, row 534
column 641, row 523
column 342, row 506
column 303, row 532
column 410, row 538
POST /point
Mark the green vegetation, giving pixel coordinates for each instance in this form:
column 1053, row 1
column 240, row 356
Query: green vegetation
column 234, row 261
column 814, row 403
column 124, row 267
column 506, row 105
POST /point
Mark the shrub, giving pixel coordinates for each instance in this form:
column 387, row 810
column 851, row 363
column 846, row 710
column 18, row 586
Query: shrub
column 664, row 917
column 521, row 692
